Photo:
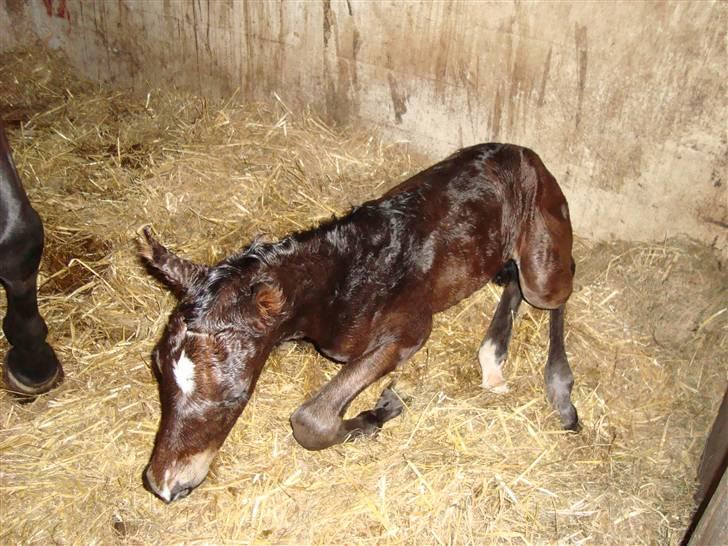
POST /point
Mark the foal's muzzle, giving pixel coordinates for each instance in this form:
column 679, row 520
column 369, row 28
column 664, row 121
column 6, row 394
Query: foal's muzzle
column 179, row 478
column 164, row 492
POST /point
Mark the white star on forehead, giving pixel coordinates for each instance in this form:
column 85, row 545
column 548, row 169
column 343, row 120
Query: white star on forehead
column 184, row 373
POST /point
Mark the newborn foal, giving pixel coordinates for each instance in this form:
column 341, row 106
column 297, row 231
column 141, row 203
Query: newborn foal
column 363, row 289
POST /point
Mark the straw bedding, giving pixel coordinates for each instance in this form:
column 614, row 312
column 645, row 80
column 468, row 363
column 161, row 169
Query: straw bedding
column 646, row 336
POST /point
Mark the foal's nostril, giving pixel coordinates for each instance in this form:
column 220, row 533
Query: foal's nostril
column 180, row 493
column 148, row 480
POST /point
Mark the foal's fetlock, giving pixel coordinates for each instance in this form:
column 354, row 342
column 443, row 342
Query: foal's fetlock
column 367, row 423
column 370, row 422
column 567, row 412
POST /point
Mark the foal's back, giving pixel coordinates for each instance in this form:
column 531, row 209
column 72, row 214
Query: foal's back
column 445, row 232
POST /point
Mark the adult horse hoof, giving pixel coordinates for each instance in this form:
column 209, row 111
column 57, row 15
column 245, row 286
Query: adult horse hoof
column 30, row 372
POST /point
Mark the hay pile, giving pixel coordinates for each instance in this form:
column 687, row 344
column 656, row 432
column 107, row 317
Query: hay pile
column 461, row 466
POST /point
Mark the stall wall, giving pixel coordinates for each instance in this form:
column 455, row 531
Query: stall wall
column 624, row 101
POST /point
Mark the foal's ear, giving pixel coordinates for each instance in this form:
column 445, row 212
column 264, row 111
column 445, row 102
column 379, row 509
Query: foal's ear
column 178, row 274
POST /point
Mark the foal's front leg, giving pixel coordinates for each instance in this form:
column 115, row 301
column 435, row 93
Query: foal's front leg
column 318, row 423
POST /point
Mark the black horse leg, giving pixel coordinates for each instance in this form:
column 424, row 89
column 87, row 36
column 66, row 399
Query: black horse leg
column 31, row 366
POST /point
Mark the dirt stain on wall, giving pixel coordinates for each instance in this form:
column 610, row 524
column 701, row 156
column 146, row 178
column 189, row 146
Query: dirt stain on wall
column 544, row 79
column 342, row 43
column 399, row 99
column 582, row 54
column 621, row 107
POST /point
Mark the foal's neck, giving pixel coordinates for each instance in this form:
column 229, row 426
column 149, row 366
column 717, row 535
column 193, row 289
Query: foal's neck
column 307, row 273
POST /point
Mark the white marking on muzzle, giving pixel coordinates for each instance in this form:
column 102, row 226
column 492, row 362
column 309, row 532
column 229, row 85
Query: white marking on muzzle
column 164, row 492
column 184, row 373
column 492, row 368
column 186, row 473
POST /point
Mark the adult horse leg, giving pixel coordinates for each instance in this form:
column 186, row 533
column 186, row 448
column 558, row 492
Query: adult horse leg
column 31, row 366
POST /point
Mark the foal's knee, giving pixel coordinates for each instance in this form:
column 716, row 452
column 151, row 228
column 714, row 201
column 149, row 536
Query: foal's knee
column 313, row 431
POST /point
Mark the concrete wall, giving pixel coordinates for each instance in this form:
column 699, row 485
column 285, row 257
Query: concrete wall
column 624, row 101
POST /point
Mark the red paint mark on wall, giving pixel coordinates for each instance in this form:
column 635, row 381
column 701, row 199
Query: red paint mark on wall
column 61, row 9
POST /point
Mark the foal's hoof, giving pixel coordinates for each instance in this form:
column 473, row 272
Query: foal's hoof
column 573, row 427
column 388, row 406
column 499, row 388
column 570, row 421
column 32, row 371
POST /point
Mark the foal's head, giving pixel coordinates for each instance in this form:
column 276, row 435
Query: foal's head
column 207, row 361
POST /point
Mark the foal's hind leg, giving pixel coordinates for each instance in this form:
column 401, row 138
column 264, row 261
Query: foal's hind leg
column 493, row 350
column 546, row 272
column 559, row 379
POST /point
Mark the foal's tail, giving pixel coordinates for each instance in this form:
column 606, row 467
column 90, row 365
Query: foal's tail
column 507, row 274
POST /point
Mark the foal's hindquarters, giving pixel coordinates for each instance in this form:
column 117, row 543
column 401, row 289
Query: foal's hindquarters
column 541, row 272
